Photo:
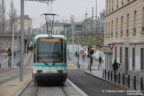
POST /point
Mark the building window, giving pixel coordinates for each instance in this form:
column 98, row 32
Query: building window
column 117, row 27
column 122, row 2
column 143, row 20
column 109, row 30
column 117, row 3
column 112, row 5
column 121, row 26
column 126, row 60
column 116, row 53
column 109, row 5
column 127, row 33
column 135, row 16
column 120, row 54
column 105, row 30
column 142, row 58
column 133, row 58
column 112, row 29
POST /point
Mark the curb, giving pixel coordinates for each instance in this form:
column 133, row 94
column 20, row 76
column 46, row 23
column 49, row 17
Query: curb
column 19, row 91
column 112, row 83
column 77, row 88
column 109, row 82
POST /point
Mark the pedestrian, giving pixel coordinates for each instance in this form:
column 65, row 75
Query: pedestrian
column 76, row 54
column 9, row 58
column 27, row 48
column 115, row 68
column 83, row 56
column 100, row 61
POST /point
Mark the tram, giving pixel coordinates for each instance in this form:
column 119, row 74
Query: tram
column 49, row 58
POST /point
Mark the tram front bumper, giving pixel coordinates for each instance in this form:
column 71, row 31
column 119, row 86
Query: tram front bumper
column 50, row 77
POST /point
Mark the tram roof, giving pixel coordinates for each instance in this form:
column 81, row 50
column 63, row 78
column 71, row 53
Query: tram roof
column 46, row 35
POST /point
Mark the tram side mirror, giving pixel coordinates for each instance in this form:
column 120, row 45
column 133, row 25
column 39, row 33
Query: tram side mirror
column 53, row 63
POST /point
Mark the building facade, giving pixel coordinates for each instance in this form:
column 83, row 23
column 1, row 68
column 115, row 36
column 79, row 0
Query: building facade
column 6, row 38
column 124, row 26
column 94, row 25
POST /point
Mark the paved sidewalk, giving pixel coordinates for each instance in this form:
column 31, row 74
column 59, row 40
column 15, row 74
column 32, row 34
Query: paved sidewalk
column 12, row 87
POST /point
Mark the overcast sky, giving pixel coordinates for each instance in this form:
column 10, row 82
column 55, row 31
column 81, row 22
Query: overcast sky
column 64, row 8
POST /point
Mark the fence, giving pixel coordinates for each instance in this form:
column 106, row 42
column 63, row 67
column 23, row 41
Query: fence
column 125, row 80
column 4, row 63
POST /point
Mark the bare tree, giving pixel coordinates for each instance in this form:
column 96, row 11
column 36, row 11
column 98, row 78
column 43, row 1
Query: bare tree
column 0, row 17
column 3, row 9
column 12, row 15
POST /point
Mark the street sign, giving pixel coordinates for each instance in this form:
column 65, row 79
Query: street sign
column 3, row 51
column 107, row 51
column 111, row 46
column 82, row 51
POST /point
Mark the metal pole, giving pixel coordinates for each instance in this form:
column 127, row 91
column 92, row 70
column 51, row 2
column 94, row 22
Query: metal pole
column 86, row 23
column 73, row 29
column 22, row 41
column 12, row 60
column 72, row 26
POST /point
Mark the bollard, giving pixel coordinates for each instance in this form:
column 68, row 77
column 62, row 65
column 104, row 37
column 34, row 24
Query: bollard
column 134, row 82
column 123, row 79
column 111, row 75
column 108, row 75
column 119, row 78
column 105, row 74
column 141, row 83
column 129, row 81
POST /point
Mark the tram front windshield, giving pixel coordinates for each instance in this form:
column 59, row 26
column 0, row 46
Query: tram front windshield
column 50, row 51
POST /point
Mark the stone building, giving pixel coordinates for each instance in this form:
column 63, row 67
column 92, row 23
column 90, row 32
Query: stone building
column 124, row 26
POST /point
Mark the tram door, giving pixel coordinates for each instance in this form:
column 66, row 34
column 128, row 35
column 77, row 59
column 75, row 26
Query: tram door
column 126, row 60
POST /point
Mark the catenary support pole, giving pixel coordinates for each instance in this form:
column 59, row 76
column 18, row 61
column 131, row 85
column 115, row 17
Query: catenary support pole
column 22, row 41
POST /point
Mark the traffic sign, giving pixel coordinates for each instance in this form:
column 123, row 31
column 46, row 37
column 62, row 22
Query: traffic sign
column 82, row 51
column 3, row 51
column 111, row 46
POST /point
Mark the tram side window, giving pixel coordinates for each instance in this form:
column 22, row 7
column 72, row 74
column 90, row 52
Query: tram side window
column 34, row 53
column 64, row 55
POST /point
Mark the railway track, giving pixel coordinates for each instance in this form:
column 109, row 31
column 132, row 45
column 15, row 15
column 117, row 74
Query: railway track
column 49, row 90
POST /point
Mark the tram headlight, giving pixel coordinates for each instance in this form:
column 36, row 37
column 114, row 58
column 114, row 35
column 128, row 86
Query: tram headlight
column 60, row 71
column 39, row 71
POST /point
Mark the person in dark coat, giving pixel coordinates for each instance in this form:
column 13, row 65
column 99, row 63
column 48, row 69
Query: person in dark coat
column 115, row 66
column 9, row 58
column 100, row 60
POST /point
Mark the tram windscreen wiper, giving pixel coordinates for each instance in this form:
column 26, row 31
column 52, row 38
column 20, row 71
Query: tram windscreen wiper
column 43, row 61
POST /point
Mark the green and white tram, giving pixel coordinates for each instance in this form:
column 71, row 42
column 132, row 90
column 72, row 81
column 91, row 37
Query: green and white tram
column 49, row 58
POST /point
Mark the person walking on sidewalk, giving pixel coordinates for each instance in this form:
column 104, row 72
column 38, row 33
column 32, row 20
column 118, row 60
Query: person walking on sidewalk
column 115, row 68
column 100, row 61
column 9, row 58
